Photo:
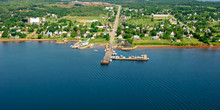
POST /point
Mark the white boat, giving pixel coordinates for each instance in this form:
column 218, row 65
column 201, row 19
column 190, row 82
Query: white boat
column 95, row 50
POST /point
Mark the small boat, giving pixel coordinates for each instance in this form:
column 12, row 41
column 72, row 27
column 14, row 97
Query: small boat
column 110, row 60
column 95, row 50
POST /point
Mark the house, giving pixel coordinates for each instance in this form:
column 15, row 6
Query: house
column 178, row 40
column 43, row 19
column 120, row 37
column 78, row 32
column 18, row 30
column 87, row 32
column 68, row 34
column 95, row 35
column 77, row 37
column 155, row 37
column 24, row 32
column 136, row 37
column 85, row 35
column 160, row 16
column 64, row 39
column 56, row 32
column 1, row 33
column 90, row 21
column 101, row 26
column 85, row 43
column 109, row 8
column 35, row 20
column 173, row 21
column 49, row 34
column 189, row 36
column 172, row 34
column 64, row 27
column 160, row 33
column 16, row 37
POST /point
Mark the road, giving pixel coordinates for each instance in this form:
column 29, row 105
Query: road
column 110, row 47
column 181, row 23
column 115, row 26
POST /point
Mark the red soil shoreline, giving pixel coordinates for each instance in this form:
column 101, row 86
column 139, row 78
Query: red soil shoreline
column 171, row 46
column 23, row 40
column 136, row 47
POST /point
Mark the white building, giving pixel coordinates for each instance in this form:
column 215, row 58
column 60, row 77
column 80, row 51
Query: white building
column 109, row 8
column 1, row 33
column 136, row 37
column 172, row 34
column 35, row 20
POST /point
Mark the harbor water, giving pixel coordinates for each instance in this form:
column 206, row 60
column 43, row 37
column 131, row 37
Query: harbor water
column 44, row 75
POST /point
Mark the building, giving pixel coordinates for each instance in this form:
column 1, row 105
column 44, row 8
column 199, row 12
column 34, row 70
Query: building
column 160, row 16
column 172, row 34
column 136, row 37
column 120, row 37
column 68, row 34
column 109, row 8
column 35, row 20
column 1, row 33
column 77, row 37
column 160, row 33
column 85, row 43
column 155, row 37
column 24, row 32
column 49, row 34
column 173, row 21
column 78, row 32
column 85, row 35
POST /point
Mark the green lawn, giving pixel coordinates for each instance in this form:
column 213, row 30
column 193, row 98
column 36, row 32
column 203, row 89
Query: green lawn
column 149, row 41
column 190, row 41
column 98, row 40
column 145, row 21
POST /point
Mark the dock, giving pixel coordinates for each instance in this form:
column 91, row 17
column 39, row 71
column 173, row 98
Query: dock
column 131, row 58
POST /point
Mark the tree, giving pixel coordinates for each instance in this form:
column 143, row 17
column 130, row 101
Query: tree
column 5, row 34
column 39, row 36
column 153, row 32
column 30, row 30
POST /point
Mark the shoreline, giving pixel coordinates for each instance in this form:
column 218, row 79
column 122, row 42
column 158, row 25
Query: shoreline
column 24, row 40
column 119, row 48
column 167, row 46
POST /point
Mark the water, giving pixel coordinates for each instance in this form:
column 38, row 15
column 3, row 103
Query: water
column 40, row 76
column 210, row 0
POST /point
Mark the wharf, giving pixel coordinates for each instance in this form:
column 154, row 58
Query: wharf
column 142, row 58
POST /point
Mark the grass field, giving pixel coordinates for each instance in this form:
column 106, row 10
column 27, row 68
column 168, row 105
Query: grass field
column 145, row 21
column 149, row 41
column 99, row 40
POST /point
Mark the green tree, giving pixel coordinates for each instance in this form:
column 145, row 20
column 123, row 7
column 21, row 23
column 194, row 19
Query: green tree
column 5, row 34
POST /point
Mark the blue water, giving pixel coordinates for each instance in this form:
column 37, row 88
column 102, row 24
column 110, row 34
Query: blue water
column 210, row 0
column 46, row 76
